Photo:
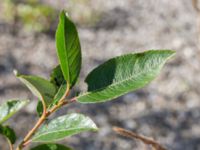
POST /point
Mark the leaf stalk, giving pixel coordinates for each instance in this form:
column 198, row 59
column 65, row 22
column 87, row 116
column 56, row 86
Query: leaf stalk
column 44, row 116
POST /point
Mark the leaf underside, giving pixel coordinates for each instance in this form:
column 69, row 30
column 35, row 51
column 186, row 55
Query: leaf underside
column 123, row 74
column 40, row 87
column 68, row 49
column 9, row 108
column 64, row 126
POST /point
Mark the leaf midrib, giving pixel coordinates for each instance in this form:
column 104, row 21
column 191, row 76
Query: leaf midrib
column 117, row 83
column 61, row 131
column 65, row 46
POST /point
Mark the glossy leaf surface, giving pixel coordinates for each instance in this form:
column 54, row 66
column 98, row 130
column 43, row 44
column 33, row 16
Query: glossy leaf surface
column 68, row 49
column 9, row 108
column 123, row 74
column 64, row 126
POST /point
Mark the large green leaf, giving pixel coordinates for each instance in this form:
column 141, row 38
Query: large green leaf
column 51, row 146
column 40, row 87
column 68, row 49
column 64, row 126
column 123, row 74
column 9, row 108
column 8, row 133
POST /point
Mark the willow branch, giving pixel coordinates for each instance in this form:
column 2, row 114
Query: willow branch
column 44, row 116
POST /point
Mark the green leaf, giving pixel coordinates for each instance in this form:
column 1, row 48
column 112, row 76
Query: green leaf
column 64, row 126
column 123, row 74
column 51, row 146
column 57, row 77
column 9, row 108
column 61, row 91
column 58, row 80
column 68, row 49
column 8, row 133
column 39, row 108
column 40, row 87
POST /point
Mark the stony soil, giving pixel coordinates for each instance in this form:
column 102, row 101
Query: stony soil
column 167, row 110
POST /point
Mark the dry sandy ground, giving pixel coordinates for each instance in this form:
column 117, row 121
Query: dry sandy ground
column 167, row 110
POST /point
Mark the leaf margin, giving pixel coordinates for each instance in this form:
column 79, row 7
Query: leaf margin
column 78, row 98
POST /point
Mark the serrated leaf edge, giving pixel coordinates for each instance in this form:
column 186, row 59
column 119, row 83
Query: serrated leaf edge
column 112, row 85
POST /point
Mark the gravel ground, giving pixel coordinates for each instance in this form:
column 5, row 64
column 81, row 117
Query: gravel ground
column 167, row 110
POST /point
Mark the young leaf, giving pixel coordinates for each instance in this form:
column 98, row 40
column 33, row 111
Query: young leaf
column 51, row 146
column 58, row 80
column 9, row 108
column 8, row 133
column 39, row 108
column 61, row 91
column 68, row 49
column 40, row 87
column 57, row 77
column 64, row 126
column 123, row 74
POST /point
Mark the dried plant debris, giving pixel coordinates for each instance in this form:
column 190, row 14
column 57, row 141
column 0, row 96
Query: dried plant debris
column 141, row 138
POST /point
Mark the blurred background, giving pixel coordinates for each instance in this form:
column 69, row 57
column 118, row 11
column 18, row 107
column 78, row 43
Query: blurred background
column 167, row 110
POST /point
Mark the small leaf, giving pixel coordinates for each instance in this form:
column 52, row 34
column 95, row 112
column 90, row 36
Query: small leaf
column 123, row 74
column 68, row 49
column 51, row 146
column 8, row 133
column 57, row 77
column 40, row 87
column 39, row 108
column 58, row 80
column 61, row 91
column 9, row 108
column 64, row 126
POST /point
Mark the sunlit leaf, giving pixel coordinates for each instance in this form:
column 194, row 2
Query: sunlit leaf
column 64, row 126
column 9, row 108
column 123, row 74
column 68, row 49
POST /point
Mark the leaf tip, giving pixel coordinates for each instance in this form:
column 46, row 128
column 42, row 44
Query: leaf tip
column 67, row 14
column 171, row 53
column 96, row 129
column 64, row 13
column 16, row 73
